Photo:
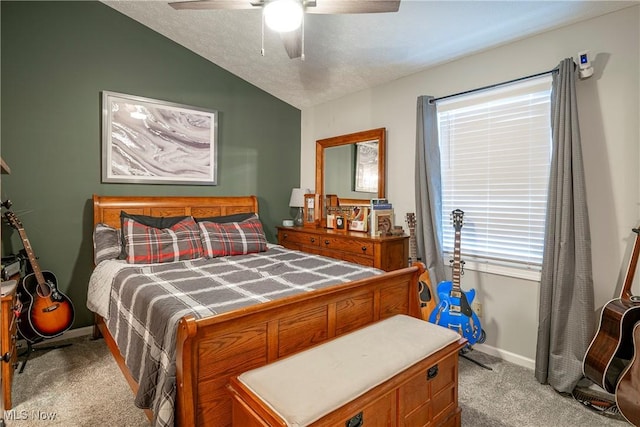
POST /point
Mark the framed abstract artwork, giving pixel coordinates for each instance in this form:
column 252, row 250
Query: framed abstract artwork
column 149, row 141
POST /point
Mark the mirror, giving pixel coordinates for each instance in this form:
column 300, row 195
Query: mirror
column 352, row 166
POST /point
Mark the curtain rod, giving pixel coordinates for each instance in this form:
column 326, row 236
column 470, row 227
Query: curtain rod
column 433, row 101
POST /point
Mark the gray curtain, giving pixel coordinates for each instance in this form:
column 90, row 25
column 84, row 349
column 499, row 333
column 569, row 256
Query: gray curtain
column 566, row 309
column 428, row 190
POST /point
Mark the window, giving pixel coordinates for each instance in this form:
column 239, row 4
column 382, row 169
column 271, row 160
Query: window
column 495, row 152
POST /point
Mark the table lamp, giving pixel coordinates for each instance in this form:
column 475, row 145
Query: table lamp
column 297, row 201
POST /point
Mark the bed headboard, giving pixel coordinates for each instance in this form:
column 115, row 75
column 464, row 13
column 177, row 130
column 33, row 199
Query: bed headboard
column 106, row 209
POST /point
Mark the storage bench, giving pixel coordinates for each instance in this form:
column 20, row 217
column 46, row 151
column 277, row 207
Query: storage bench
column 399, row 371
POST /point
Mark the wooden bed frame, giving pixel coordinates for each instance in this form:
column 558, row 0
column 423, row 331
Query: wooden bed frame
column 211, row 350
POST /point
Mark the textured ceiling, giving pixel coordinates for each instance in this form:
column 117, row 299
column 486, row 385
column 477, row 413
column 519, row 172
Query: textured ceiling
column 348, row 53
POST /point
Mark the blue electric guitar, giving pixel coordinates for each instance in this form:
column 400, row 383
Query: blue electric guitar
column 454, row 309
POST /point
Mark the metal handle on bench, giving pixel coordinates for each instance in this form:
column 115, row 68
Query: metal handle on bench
column 355, row 421
column 432, row 372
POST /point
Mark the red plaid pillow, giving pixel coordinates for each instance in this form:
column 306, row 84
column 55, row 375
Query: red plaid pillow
column 232, row 238
column 146, row 244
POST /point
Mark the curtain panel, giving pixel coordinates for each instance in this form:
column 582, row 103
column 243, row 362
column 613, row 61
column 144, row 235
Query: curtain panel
column 566, row 311
column 429, row 190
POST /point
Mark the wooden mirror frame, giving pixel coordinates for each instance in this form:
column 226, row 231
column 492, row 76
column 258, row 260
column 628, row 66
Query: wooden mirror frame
column 353, row 138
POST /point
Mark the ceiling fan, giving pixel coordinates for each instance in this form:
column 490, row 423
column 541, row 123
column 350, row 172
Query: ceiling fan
column 287, row 16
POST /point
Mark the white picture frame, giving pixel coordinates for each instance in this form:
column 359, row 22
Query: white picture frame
column 382, row 222
column 149, row 141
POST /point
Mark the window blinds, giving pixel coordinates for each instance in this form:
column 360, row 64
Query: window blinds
column 495, row 153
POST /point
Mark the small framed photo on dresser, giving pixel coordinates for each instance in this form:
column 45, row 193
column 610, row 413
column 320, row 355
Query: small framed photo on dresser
column 312, row 210
column 360, row 218
column 382, row 222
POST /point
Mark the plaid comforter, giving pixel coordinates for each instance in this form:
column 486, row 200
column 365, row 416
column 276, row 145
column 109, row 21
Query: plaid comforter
column 146, row 303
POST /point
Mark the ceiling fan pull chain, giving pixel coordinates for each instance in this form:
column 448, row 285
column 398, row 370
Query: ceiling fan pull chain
column 262, row 45
column 302, row 35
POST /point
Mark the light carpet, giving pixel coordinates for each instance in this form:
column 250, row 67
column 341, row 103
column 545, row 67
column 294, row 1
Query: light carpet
column 81, row 385
column 509, row 395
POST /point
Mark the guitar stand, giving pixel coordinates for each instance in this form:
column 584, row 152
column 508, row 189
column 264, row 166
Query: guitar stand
column 463, row 353
column 30, row 349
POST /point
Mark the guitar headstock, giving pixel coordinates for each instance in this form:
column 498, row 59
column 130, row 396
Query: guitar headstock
column 411, row 220
column 13, row 220
column 457, row 219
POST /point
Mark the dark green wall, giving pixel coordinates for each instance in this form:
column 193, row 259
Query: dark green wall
column 56, row 59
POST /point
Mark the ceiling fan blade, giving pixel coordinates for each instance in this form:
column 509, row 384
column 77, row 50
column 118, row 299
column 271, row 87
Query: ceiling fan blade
column 216, row 4
column 352, row 6
column 311, row 6
column 292, row 43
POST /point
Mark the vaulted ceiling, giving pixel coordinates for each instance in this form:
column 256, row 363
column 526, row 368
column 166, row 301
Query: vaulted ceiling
column 348, row 53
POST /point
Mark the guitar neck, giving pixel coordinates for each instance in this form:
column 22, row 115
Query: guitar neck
column 32, row 257
column 413, row 246
column 457, row 265
column 631, row 270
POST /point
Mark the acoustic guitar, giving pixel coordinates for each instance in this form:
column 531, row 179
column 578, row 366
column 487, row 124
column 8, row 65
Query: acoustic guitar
column 628, row 388
column 454, row 309
column 46, row 312
column 611, row 350
column 427, row 296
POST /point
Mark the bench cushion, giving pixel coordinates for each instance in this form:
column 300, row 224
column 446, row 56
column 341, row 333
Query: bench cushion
column 308, row 385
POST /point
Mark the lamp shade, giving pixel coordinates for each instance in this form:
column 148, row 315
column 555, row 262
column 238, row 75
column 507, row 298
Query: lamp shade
column 297, row 197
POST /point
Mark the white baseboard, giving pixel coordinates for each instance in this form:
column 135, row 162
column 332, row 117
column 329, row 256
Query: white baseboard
column 525, row 362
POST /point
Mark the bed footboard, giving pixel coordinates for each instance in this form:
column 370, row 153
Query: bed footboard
column 211, row 350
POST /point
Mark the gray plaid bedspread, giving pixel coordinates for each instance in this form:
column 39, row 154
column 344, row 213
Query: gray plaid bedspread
column 146, row 303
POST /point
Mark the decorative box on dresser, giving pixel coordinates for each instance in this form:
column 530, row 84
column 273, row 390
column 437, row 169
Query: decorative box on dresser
column 386, row 253
column 8, row 338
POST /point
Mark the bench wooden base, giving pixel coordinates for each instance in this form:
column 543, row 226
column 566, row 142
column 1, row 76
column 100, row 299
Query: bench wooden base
column 425, row 394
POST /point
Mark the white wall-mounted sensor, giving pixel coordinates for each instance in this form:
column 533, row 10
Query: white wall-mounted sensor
column 584, row 64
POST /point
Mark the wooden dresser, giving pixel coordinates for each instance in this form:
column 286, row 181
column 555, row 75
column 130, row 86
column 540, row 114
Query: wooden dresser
column 386, row 253
column 8, row 338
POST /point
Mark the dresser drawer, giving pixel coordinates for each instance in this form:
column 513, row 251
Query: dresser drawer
column 8, row 338
column 298, row 237
column 386, row 253
column 356, row 247
column 347, row 256
column 9, row 323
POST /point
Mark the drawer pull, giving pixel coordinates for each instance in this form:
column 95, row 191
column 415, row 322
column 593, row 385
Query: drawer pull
column 313, row 240
column 432, row 372
column 285, row 235
column 6, row 357
column 326, row 242
column 364, row 249
column 355, row 421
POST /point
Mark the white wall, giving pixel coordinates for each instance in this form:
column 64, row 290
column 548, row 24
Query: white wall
column 609, row 106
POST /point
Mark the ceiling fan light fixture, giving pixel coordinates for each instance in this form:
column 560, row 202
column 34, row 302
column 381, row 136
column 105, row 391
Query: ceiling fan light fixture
column 283, row 16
